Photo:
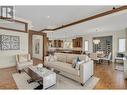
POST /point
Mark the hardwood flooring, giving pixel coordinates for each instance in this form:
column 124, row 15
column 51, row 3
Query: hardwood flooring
column 109, row 78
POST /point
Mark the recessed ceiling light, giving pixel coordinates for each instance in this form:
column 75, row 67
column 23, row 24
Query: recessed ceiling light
column 48, row 16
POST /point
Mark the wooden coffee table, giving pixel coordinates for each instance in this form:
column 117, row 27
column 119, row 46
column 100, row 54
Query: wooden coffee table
column 46, row 78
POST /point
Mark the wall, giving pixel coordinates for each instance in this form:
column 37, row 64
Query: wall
column 115, row 36
column 7, row 58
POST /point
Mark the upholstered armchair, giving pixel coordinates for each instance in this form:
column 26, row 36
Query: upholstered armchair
column 23, row 61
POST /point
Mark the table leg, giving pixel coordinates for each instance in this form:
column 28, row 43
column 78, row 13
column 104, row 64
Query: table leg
column 39, row 87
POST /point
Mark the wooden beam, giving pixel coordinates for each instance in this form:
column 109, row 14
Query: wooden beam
column 12, row 29
column 17, row 21
column 26, row 27
column 12, row 20
column 89, row 18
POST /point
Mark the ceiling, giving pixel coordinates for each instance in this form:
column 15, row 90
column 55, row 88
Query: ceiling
column 110, row 23
column 43, row 17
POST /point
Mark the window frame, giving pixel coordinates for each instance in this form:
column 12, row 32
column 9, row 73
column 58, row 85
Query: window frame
column 119, row 45
column 85, row 45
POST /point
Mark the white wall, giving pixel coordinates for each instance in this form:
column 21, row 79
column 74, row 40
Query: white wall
column 115, row 36
column 7, row 58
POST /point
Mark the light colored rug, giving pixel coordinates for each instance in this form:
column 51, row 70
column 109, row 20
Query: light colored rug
column 62, row 83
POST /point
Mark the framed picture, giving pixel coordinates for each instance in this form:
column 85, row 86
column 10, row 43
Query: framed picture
column 8, row 42
column 37, row 46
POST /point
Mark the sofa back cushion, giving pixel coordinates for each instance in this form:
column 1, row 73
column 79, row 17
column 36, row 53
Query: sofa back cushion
column 61, row 57
column 68, row 58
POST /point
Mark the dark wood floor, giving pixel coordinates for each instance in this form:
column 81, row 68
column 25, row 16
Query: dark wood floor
column 109, row 78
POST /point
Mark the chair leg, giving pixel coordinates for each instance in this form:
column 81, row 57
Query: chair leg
column 82, row 84
column 19, row 71
column 108, row 62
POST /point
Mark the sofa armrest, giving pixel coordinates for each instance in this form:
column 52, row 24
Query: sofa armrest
column 86, row 71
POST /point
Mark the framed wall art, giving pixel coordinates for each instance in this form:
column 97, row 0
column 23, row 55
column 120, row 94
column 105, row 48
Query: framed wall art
column 8, row 42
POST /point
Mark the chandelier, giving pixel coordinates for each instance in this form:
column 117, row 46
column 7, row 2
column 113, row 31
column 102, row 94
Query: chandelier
column 96, row 41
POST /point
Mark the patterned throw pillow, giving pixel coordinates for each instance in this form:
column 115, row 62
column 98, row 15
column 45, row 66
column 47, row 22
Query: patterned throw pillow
column 77, row 66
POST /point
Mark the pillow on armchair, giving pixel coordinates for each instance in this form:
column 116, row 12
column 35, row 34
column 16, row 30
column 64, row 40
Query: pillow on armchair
column 23, row 58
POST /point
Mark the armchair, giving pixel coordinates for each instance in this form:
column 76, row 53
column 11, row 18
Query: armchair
column 23, row 61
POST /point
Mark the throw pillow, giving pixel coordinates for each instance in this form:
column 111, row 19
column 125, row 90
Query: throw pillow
column 23, row 58
column 78, row 60
column 52, row 58
column 46, row 59
column 77, row 67
column 74, row 63
column 55, row 58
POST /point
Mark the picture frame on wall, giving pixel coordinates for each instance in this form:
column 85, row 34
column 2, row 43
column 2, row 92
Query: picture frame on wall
column 37, row 46
column 9, row 42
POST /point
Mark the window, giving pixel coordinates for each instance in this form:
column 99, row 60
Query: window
column 122, row 45
column 86, row 46
column 68, row 44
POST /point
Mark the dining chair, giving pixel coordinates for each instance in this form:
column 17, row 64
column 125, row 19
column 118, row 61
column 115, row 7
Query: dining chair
column 107, row 58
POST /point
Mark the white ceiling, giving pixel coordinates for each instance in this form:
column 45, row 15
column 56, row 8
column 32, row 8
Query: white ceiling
column 54, row 16
column 110, row 23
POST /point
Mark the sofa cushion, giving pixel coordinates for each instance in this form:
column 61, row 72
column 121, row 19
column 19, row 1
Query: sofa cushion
column 52, row 58
column 64, row 67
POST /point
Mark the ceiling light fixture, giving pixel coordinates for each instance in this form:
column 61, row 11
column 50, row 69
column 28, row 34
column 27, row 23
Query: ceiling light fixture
column 48, row 16
column 96, row 41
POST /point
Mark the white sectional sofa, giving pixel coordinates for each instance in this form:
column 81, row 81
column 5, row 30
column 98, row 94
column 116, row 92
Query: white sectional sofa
column 63, row 63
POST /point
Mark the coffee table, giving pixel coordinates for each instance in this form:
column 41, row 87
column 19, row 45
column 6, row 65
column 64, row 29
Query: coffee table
column 46, row 78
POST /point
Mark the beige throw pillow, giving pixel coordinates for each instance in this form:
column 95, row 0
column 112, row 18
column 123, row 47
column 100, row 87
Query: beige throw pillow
column 23, row 58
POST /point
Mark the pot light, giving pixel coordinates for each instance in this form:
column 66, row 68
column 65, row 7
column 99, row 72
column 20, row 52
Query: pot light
column 48, row 16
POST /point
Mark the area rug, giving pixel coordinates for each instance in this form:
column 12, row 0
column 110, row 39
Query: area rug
column 63, row 83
